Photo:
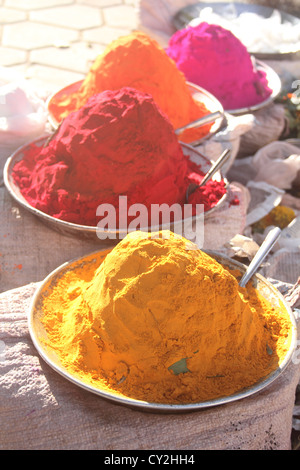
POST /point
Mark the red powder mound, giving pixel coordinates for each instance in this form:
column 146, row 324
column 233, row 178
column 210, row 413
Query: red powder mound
column 119, row 143
column 208, row 195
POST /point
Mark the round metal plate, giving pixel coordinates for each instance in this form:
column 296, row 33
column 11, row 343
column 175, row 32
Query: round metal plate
column 90, row 232
column 39, row 338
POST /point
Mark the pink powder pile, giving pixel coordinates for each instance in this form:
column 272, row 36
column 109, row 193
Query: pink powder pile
column 213, row 58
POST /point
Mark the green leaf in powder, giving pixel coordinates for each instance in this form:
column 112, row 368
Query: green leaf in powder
column 214, row 376
column 179, row 367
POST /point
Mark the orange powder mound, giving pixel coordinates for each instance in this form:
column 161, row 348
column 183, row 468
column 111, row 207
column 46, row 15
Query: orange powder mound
column 138, row 61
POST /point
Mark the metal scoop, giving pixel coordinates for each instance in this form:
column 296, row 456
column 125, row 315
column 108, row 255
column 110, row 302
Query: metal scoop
column 264, row 249
column 211, row 117
column 214, row 168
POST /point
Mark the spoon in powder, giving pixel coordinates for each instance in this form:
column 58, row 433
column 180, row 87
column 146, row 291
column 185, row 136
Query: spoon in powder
column 207, row 119
column 214, row 168
column 262, row 252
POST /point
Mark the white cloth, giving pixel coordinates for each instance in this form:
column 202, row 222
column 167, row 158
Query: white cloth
column 229, row 137
column 277, row 163
column 23, row 114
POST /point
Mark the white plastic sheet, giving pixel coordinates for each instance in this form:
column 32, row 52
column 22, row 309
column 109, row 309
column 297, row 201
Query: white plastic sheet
column 23, row 114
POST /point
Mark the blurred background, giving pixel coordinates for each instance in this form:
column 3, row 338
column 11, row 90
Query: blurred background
column 53, row 42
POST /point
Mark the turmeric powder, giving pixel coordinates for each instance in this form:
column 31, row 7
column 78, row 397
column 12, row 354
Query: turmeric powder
column 280, row 216
column 163, row 322
column 138, row 61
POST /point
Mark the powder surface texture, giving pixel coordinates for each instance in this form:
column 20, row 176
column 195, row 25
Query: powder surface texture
column 161, row 321
column 119, row 143
column 213, row 58
column 138, row 61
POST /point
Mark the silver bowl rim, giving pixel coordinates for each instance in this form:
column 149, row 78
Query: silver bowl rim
column 274, row 83
column 157, row 407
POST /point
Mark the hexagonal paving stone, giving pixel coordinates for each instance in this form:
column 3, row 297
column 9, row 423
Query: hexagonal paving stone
column 104, row 34
column 72, row 16
column 100, row 3
column 78, row 57
column 11, row 56
column 123, row 16
column 28, row 35
column 35, row 4
column 51, row 78
column 9, row 15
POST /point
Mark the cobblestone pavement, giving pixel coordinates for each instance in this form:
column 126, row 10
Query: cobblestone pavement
column 54, row 42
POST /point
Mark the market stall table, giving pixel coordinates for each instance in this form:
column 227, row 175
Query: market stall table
column 41, row 410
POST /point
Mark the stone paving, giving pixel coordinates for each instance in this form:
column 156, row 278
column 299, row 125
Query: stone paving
column 54, row 42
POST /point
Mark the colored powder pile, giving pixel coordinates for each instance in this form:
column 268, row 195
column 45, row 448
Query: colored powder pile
column 213, row 58
column 280, row 216
column 119, row 143
column 138, row 61
column 161, row 321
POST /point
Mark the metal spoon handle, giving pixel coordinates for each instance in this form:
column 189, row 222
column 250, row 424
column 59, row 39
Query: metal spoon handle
column 200, row 122
column 264, row 249
column 215, row 167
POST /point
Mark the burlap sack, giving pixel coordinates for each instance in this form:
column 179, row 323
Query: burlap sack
column 42, row 410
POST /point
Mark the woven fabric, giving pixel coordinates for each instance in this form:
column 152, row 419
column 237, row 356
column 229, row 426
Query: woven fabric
column 40, row 409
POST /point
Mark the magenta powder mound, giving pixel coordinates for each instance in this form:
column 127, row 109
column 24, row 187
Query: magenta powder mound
column 213, row 58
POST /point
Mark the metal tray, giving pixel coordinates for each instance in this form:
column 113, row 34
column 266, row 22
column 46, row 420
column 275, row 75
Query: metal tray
column 90, row 232
column 198, row 93
column 188, row 13
column 39, row 338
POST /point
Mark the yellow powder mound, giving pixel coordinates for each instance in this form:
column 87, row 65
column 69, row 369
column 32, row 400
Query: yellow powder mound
column 164, row 322
column 138, row 61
